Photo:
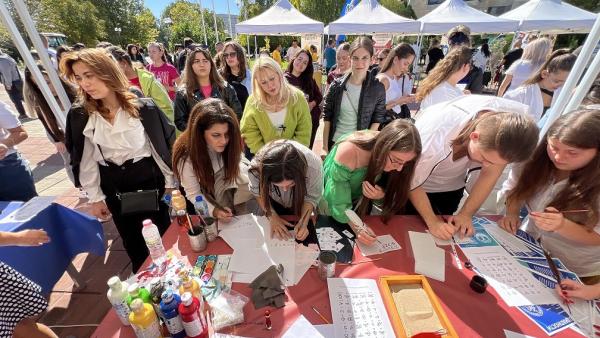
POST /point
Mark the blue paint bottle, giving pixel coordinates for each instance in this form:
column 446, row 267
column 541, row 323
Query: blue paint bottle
column 168, row 306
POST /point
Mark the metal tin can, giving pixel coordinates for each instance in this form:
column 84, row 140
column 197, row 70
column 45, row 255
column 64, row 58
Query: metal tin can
column 326, row 267
column 211, row 228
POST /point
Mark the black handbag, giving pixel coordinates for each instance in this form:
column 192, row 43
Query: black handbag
column 136, row 202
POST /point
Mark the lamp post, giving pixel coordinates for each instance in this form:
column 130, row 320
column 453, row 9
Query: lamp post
column 167, row 22
column 118, row 30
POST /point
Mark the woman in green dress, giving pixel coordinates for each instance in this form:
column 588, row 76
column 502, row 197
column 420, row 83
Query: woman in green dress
column 367, row 166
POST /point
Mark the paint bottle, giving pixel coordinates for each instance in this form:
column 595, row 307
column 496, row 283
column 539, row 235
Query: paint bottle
column 117, row 296
column 135, row 291
column 189, row 284
column 192, row 317
column 169, row 307
column 143, row 320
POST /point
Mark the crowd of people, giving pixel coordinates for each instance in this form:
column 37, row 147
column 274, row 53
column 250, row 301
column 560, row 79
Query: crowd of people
column 245, row 138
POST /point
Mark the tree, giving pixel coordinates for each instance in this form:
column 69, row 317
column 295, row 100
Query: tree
column 399, row 7
column 136, row 23
column 589, row 5
column 186, row 19
column 77, row 19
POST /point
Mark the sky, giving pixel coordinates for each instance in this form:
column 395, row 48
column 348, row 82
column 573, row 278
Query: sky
column 157, row 6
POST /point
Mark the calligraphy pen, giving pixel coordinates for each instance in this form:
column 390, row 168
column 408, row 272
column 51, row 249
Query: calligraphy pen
column 452, row 245
column 320, row 315
column 555, row 272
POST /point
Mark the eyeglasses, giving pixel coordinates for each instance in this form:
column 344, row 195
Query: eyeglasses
column 230, row 55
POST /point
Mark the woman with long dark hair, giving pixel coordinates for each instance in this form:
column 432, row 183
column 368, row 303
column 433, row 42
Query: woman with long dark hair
column 135, row 55
column 201, row 80
column 300, row 74
column 236, row 70
column 560, row 187
column 392, row 75
column 207, row 158
column 369, row 166
column 287, row 179
column 355, row 101
column 118, row 144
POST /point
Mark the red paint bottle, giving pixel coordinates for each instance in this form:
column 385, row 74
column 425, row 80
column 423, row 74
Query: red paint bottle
column 192, row 317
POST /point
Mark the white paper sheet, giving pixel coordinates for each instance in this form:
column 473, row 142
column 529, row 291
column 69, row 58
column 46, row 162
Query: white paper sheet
column 386, row 243
column 251, row 260
column 430, row 260
column 357, row 309
column 511, row 280
column 326, row 330
column 302, row 328
column 511, row 334
column 305, row 257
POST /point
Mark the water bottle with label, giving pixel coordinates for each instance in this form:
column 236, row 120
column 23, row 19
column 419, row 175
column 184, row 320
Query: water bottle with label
column 117, row 296
column 201, row 206
column 154, row 242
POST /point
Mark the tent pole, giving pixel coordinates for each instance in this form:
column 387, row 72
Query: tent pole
column 6, row 19
column 416, row 61
column 563, row 102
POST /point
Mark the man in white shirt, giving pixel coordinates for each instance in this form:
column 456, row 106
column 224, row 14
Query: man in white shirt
column 16, row 181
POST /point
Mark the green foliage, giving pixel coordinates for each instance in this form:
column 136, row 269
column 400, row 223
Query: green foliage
column 186, row 20
column 77, row 19
column 588, row 5
column 399, row 7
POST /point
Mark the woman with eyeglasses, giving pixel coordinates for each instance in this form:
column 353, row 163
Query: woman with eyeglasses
column 166, row 73
column 201, row 80
column 355, row 101
column 441, row 83
column 300, row 74
column 235, row 70
column 538, row 92
column 275, row 110
column 370, row 167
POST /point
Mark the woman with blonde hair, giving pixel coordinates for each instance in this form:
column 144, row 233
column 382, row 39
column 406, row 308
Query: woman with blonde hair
column 534, row 56
column 201, row 80
column 275, row 110
column 441, row 83
column 120, row 148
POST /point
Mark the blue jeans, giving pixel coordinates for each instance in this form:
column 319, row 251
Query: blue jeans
column 16, row 181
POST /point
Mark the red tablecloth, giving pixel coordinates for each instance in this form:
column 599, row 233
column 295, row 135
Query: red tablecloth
column 472, row 314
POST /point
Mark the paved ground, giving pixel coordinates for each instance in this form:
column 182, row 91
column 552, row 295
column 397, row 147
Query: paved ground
column 70, row 306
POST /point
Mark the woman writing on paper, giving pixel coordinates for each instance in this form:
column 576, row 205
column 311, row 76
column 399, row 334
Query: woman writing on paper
column 207, row 159
column 538, row 92
column 560, row 186
column 365, row 167
column 441, row 83
column 467, row 132
column 287, row 179
column 275, row 110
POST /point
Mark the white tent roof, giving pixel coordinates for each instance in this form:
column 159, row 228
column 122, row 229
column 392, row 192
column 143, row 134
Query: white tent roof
column 454, row 12
column 281, row 18
column 371, row 17
column 552, row 16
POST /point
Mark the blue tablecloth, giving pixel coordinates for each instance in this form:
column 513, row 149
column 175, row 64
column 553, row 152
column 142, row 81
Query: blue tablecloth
column 70, row 232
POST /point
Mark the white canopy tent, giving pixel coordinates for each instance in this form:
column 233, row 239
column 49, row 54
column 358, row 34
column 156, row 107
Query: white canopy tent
column 551, row 16
column 454, row 12
column 282, row 18
column 371, row 17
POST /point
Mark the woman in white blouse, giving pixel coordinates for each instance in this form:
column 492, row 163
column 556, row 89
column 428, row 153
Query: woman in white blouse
column 118, row 144
column 207, row 158
column 534, row 55
column 441, row 83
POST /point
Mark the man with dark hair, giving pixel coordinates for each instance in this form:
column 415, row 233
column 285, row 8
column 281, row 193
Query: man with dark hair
column 329, row 55
column 181, row 56
column 294, row 48
column 11, row 78
column 219, row 47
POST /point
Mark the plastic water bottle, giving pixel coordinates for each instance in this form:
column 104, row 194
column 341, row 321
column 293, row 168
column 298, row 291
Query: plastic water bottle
column 201, row 206
column 154, row 242
column 168, row 201
column 169, row 308
column 117, row 296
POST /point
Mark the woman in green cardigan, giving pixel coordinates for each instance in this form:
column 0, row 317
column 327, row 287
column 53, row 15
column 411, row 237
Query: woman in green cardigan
column 275, row 110
column 367, row 166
